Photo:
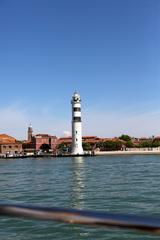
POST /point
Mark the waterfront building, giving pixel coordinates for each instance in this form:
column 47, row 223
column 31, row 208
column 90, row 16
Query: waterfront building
column 157, row 138
column 65, row 140
column 28, row 147
column 9, row 145
column 40, row 142
column 86, row 139
column 76, row 125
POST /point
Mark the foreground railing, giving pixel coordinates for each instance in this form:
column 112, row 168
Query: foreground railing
column 143, row 223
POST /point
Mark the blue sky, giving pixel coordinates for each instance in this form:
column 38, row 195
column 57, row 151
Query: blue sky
column 108, row 50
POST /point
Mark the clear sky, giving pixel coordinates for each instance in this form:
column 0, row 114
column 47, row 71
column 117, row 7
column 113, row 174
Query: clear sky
column 107, row 50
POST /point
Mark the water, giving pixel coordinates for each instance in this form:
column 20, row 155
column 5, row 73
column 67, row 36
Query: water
column 128, row 184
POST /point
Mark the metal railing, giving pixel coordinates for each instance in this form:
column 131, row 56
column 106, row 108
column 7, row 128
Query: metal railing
column 95, row 218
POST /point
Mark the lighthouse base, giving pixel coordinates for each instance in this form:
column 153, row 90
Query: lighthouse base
column 77, row 152
column 73, row 154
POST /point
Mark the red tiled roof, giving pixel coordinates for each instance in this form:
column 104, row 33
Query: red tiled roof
column 65, row 138
column 4, row 138
column 42, row 135
column 89, row 137
column 157, row 137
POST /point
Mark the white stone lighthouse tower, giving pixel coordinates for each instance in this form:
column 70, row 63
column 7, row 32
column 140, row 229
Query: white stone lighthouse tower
column 76, row 125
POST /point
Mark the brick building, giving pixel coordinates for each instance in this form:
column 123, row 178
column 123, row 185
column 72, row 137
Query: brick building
column 40, row 139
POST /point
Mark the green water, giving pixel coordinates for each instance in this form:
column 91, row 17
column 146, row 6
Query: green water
column 128, row 184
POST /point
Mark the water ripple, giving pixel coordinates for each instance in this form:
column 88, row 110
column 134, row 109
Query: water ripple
column 128, row 184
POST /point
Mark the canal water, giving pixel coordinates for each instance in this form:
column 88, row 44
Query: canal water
column 120, row 184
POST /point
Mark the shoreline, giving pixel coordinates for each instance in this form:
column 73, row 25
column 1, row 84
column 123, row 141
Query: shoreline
column 47, row 155
column 104, row 153
column 127, row 153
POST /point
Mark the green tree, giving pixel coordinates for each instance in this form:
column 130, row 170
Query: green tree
column 99, row 145
column 45, row 147
column 109, row 145
column 146, row 144
column 64, row 147
column 156, row 143
column 125, row 137
column 129, row 144
column 86, row 146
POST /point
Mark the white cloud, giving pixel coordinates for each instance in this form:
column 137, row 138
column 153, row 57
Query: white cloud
column 15, row 119
column 115, row 123
column 67, row 133
column 12, row 121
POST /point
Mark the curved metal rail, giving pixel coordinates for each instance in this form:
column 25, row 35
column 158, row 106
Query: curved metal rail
column 143, row 223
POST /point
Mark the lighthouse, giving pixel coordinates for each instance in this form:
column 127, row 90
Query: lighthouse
column 76, row 125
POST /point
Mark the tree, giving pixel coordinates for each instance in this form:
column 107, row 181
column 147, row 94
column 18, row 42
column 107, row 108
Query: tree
column 156, row 144
column 86, row 146
column 146, row 144
column 64, row 147
column 129, row 144
column 109, row 145
column 100, row 145
column 125, row 137
column 45, row 147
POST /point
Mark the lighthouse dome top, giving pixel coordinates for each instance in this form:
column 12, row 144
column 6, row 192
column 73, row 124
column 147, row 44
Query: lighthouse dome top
column 76, row 97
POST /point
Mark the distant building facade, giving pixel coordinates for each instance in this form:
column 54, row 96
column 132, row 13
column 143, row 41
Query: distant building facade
column 41, row 139
column 38, row 142
column 85, row 139
column 9, row 145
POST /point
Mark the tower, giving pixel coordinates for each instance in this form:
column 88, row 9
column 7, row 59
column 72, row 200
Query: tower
column 76, row 125
column 30, row 132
